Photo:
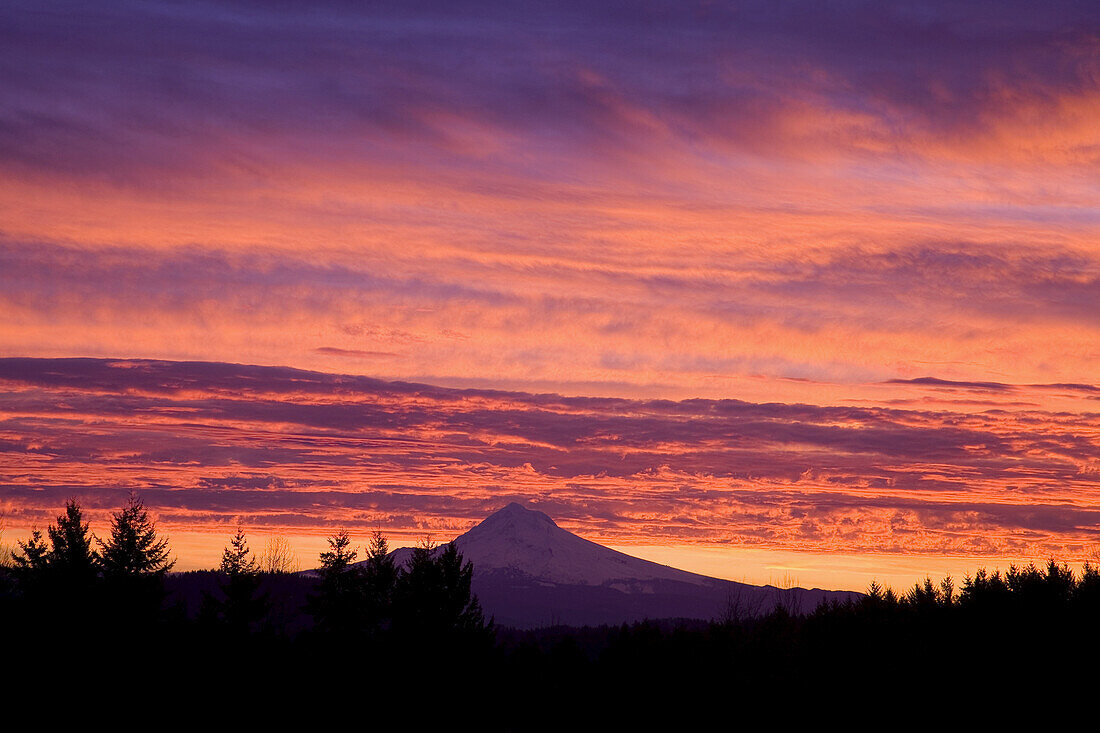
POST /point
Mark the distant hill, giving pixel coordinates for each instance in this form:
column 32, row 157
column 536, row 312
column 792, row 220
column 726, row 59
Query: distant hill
column 530, row 573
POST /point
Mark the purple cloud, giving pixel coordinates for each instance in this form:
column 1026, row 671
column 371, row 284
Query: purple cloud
column 214, row 441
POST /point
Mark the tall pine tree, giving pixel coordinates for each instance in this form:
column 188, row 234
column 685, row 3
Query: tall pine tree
column 72, row 559
column 379, row 580
column 434, row 606
column 134, row 561
column 29, row 560
column 241, row 606
column 337, row 603
column 134, row 549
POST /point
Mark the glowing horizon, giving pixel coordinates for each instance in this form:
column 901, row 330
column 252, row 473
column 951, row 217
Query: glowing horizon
column 278, row 450
column 789, row 278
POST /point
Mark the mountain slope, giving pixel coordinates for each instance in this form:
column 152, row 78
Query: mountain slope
column 528, row 572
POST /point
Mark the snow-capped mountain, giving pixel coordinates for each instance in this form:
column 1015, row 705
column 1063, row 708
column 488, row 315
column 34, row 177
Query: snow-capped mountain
column 529, row 572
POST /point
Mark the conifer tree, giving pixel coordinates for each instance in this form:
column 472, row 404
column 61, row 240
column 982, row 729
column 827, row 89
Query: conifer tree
column 237, row 558
column 30, row 559
column 461, row 607
column 72, row 559
column 433, row 601
column 379, row 579
column 134, row 561
column 241, row 606
column 418, row 584
column 134, row 549
column 337, row 602
column 57, row 571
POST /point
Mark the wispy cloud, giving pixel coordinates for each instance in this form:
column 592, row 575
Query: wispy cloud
column 873, row 224
column 642, row 199
column 208, row 443
column 355, row 353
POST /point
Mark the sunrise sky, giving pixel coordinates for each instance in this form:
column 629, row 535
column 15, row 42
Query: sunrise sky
column 755, row 288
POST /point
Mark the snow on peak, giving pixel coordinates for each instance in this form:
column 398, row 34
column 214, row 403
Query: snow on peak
column 526, row 541
column 517, row 514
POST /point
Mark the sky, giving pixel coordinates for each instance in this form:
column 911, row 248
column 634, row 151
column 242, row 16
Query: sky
column 782, row 280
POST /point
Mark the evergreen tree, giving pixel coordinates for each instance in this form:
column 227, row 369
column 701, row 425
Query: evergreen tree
column 66, row 564
column 1087, row 592
column 379, row 579
column 134, row 561
column 27, row 606
column 416, row 590
column 133, row 548
column 30, row 560
column 72, row 559
column 337, row 604
column 947, row 591
column 462, row 611
column 237, row 558
column 241, row 606
column 57, row 578
column 433, row 602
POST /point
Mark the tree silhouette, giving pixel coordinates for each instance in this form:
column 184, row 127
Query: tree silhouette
column 134, row 561
column 433, row 602
column 1087, row 593
column 278, row 556
column 418, row 585
column 29, row 560
column 57, row 574
column 133, row 548
column 241, row 607
column 237, row 558
column 337, row 602
column 72, row 559
column 924, row 596
column 461, row 609
column 947, row 591
column 66, row 565
column 984, row 589
column 379, row 576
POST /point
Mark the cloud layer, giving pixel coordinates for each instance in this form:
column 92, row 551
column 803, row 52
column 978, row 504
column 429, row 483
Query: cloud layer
column 211, row 444
column 603, row 198
column 828, row 273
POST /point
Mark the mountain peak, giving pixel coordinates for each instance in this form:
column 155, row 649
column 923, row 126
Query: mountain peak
column 516, row 512
column 526, row 541
column 529, row 571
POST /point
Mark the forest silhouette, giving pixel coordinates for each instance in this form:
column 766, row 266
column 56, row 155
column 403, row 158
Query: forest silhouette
column 66, row 590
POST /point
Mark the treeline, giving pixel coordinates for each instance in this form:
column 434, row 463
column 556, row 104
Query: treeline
column 380, row 624
column 65, row 584
column 69, row 575
column 996, row 641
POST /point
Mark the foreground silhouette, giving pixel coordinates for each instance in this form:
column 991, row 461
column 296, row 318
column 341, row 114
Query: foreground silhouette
column 382, row 624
